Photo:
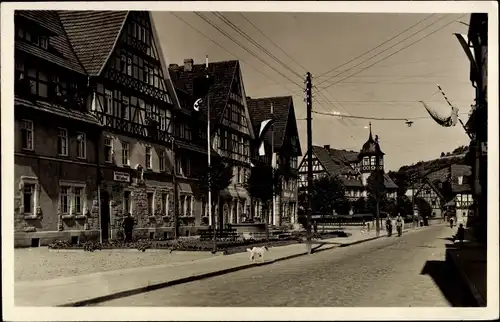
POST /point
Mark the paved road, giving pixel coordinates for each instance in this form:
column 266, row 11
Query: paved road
column 384, row 272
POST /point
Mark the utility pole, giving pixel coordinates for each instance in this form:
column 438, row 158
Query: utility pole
column 377, row 188
column 309, row 160
column 176, row 192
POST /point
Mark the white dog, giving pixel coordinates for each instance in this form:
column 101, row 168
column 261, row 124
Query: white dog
column 257, row 251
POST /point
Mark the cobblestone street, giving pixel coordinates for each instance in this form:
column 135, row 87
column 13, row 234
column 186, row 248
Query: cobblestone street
column 384, row 272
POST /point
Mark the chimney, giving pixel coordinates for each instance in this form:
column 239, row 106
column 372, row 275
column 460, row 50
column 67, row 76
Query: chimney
column 188, row 65
column 248, row 98
column 327, row 146
column 173, row 66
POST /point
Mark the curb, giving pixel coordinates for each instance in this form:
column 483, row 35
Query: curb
column 472, row 288
column 149, row 288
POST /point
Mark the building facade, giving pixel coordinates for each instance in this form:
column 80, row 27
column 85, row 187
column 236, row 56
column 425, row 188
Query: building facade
column 284, row 136
column 231, row 130
column 351, row 167
column 429, row 192
column 56, row 153
column 133, row 98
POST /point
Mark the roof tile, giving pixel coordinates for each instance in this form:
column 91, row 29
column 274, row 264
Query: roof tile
column 93, row 35
column 223, row 73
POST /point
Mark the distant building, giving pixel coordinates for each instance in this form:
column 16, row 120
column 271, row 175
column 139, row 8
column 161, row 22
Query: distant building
column 429, row 192
column 460, row 198
column 352, row 168
column 287, row 149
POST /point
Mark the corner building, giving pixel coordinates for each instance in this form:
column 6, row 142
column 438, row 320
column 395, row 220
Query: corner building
column 133, row 99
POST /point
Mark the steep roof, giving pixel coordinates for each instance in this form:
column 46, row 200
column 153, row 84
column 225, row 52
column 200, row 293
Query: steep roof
column 60, row 51
column 260, row 110
column 457, row 170
column 223, row 74
column 93, row 35
column 371, row 146
column 338, row 163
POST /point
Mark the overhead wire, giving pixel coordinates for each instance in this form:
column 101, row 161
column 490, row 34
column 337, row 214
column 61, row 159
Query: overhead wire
column 225, row 49
column 244, row 47
column 394, row 53
column 275, row 44
column 374, row 48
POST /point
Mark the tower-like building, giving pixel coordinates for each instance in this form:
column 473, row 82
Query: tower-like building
column 367, row 157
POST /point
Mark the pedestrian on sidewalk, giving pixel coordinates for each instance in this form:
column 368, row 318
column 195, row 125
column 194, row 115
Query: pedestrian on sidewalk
column 128, row 227
column 451, row 222
column 461, row 234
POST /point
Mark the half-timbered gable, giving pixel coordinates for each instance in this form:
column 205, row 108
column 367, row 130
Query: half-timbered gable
column 231, row 130
column 284, row 137
column 134, row 99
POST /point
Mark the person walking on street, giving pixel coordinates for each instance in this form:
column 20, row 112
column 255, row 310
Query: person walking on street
column 451, row 222
column 388, row 226
column 399, row 224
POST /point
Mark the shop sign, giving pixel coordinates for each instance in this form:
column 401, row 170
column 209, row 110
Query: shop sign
column 121, row 176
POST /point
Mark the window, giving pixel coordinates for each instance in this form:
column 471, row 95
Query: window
column 150, row 203
column 108, row 149
column 372, row 161
column 64, row 197
column 29, row 198
column 189, row 206
column 460, row 180
column 27, row 134
column 164, row 204
column 127, row 203
column 81, row 145
column 77, row 197
column 238, row 176
column 108, row 102
column 62, row 142
column 182, row 204
column 125, row 153
column 125, row 108
column 129, row 66
column 161, row 160
column 44, row 42
column 148, row 158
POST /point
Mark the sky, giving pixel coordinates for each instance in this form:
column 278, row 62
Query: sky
column 384, row 83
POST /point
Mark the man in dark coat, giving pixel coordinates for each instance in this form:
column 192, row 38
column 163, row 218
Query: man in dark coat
column 128, row 227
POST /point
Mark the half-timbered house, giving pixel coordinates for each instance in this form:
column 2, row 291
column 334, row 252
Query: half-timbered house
column 351, row 167
column 56, row 138
column 431, row 193
column 133, row 98
column 285, row 137
column 231, row 130
column 460, row 200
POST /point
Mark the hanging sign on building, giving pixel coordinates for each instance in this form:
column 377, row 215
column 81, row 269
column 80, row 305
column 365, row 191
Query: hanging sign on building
column 121, row 176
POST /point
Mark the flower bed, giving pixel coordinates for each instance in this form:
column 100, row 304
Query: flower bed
column 190, row 244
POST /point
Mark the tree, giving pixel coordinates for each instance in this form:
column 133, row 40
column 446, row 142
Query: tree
column 327, row 195
column 442, row 154
column 401, row 179
column 391, row 207
column 423, row 206
column 262, row 183
column 343, row 206
column 405, row 206
column 372, row 183
column 359, row 206
column 218, row 177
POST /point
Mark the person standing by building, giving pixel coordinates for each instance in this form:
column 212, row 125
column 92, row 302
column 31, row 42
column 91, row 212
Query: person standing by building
column 128, row 227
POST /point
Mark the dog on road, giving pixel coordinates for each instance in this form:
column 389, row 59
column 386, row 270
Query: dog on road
column 259, row 251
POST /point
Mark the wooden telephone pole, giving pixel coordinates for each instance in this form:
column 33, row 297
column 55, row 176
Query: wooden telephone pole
column 309, row 159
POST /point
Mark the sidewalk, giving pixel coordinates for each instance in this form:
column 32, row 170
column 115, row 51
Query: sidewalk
column 97, row 287
column 470, row 262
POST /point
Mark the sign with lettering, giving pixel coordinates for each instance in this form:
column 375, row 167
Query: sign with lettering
column 121, row 176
